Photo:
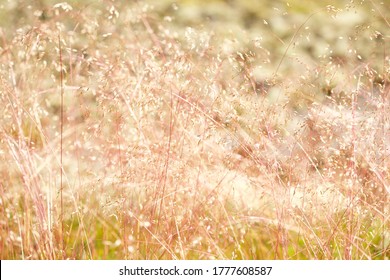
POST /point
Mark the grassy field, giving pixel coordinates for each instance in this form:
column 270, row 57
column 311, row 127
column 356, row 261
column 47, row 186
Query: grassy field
column 194, row 129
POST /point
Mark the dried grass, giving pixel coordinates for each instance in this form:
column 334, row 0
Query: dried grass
column 192, row 143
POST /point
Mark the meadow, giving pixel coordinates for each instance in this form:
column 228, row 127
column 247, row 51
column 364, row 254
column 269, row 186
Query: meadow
column 195, row 130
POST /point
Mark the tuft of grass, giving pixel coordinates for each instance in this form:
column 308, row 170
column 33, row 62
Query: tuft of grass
column 153, row 130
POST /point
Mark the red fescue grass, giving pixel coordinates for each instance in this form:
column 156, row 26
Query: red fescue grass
column 133, row 138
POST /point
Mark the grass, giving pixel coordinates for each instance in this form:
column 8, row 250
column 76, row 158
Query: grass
column 152, row 130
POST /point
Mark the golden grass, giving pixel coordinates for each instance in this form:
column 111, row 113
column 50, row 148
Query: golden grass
column 202, row 142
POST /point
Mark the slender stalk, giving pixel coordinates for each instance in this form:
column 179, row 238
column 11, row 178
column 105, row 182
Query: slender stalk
column 61, row 148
